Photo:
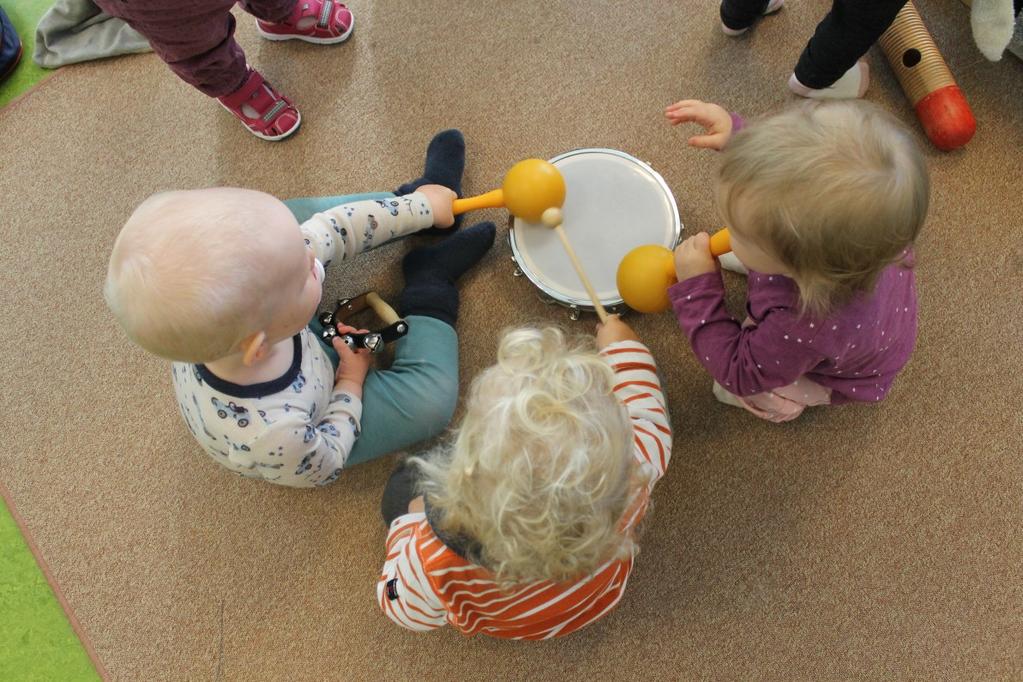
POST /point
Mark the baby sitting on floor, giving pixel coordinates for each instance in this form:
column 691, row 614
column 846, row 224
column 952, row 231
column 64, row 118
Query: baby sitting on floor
column 224, row 282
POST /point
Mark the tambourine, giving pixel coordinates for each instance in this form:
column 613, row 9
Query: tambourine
column 374, row 341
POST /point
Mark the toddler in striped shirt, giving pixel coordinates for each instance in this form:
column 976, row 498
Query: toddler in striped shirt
column 524, row 527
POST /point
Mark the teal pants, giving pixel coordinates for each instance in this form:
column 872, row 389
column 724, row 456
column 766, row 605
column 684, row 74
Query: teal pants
column 413, row 400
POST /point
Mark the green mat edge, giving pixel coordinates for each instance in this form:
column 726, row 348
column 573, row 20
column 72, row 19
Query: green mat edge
column 37, row 640
column 25, row 15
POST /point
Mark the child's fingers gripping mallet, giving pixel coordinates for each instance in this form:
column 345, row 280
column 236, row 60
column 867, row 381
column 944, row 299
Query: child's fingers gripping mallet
column 605, row 324
column 693, row 257
column 646, row 272
column 613, row 330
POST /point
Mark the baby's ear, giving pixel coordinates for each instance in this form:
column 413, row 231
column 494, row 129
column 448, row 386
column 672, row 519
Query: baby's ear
column 254, row 348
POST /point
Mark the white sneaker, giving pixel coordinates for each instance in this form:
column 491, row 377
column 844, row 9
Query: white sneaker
column 852, row 85
column 729, row 261
column 772, row 7
column 725, row 396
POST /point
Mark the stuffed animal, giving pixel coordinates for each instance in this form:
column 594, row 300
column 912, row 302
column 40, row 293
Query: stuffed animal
column 993, row 23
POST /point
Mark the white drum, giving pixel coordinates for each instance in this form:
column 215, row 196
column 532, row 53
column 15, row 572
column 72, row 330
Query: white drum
column 613, row 203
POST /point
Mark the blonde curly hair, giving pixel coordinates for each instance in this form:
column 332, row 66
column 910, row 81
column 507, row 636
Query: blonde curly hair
column 540, row 472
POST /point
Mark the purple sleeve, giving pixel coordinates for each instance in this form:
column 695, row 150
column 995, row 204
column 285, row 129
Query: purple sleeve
column 738, row 122
column 746, row 360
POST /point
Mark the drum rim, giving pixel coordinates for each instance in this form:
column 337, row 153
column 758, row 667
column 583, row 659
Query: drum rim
column 585, row 303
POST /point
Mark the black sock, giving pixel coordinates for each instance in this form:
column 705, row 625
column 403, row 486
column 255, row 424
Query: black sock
column 445, row 164
column 431, row 272
column 398, row 492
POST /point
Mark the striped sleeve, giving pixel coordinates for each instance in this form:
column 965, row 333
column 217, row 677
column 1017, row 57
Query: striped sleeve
column 639, row 389
column 404, row 592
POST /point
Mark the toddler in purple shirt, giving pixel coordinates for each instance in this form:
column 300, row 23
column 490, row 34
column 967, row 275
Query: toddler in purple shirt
column 824, row 202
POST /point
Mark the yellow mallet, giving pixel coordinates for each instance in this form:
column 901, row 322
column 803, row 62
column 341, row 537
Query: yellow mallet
column 646, row 272
column 534, row 190
column 530, row 187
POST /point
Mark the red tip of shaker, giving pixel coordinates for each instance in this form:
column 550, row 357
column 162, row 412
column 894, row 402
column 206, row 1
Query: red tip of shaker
column 946, row 118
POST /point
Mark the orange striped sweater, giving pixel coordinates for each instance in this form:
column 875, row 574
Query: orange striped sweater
column 425, row 585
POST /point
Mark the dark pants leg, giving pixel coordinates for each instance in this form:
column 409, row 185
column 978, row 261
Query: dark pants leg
column 842, row 37
column 196, row 37
column 273, row 11
column 740, row 14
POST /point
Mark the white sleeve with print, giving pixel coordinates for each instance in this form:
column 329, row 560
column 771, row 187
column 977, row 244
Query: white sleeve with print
column 348, row 229
column 294, row 431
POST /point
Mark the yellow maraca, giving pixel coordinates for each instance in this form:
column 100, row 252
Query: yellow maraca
column 534, row 190
column 530, row 187
column 646, row 272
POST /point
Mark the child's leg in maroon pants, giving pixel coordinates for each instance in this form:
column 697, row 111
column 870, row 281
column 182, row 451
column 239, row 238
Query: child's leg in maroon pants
column 274, row 11
column 195, row 37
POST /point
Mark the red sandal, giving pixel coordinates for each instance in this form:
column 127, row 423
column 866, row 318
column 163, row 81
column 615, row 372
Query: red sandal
column 276, row 117
column 333, row 23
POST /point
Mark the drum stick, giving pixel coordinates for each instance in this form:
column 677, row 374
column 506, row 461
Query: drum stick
column 552, row 218
column 492, row 199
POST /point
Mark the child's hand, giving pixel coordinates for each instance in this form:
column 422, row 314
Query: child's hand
column 354, row 363
column 614, row 330
column 716, row 121
column 692, row 257
column 417, row 505
column 441, row 199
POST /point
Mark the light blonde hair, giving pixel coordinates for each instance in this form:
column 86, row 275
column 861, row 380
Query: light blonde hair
column 187, row 278
column 835, row 191
column 540, row 471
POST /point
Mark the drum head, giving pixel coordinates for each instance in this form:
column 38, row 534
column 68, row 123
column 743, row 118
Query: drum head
column 613, row 203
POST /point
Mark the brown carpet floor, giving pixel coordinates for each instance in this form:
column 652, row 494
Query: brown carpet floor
column 873, row 542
